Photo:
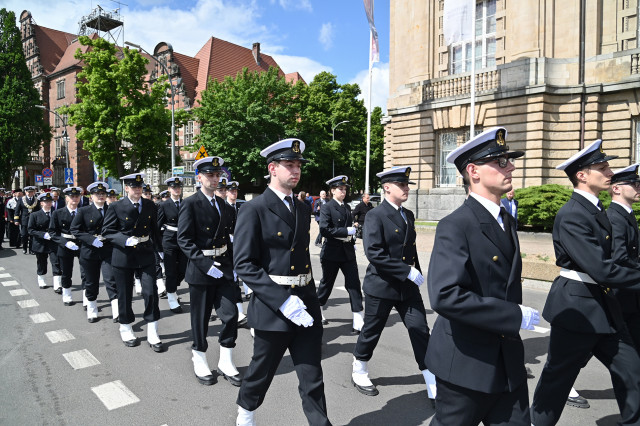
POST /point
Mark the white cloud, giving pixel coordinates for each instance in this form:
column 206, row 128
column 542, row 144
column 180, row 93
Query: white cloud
column 326, row 35
column 295, row 4
column 308, row 68
column 379, row 86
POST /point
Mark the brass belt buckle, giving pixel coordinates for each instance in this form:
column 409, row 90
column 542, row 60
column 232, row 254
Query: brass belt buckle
column 302, row 280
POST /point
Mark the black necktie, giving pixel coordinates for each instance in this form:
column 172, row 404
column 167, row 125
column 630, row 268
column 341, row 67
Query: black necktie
column 178, row 205
column 292, row 207
column 600, row 206
column 73, row 214
column 402, row 213
column 48, row 214
column 506, row 221
column 101, row 212
column 137, row 206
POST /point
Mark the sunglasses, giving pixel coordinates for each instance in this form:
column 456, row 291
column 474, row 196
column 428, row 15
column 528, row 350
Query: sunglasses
column 502, row 161
column 635, row 185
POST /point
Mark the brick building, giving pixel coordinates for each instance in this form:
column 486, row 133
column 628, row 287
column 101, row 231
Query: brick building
column 557, row 75
column 50, row 58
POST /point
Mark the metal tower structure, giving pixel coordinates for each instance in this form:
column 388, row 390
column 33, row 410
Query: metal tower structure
column 107, row 24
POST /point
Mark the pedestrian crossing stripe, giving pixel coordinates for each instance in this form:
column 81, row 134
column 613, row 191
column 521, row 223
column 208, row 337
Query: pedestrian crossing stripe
column 202, row 153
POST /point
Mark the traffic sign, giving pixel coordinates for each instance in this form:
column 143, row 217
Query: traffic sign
column 47, row 172
column 68, row 176
column 38, row 179
column 202, row 153
column 178, row 170
column 48, row 181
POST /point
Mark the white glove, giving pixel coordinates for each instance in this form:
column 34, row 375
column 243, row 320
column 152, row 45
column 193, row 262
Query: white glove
column 235, row 276
column 71, row 245
column 530, row 317
column 231, row 238
column 416, row 276
column 131, row 241
column 294, row 309
column 214, row 271
column 161, row 254
column 351, row 230
column 97, row 243
column 47, row 236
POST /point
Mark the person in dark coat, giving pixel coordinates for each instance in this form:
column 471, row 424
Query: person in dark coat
column 585, row 316
column 231, row 197
column 271, row 255
column 95, row 251
column 316, row 213
column 130, row 226
column 360, row 213
column 67, row 245
column 13, row 231
column 26, row 205
column 474, row 282
column 625, row 190
column 511, row 206
column 58, row 202
column 338, row 251
column 175, row 262
column 39, row 230
column 204, row 226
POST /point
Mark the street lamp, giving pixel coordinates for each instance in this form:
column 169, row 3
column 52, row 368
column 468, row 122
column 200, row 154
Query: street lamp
column 66, row 134
column 173, row 123
column 333, row 139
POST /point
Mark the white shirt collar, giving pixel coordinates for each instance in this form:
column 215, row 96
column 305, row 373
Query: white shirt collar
column 592, row 198
column 392, row 204
column 133, row 202
column 493, row 208
column 72, row 211
column 627, row 208
column 281, row 195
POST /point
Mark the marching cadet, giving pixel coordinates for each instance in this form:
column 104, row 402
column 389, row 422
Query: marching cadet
column 129, row 225
column 392, row 280
column 232, row 199
column 625, row 190
column 164, row 195
column 14, row 226
column 230, row 192
column 38, row 230
column 112, row 196
column 204, row 225
column 95, row 253
column 338, row 251
column 175, row 262
column 584, row 314
column 26, row 205
column 60, row 232
column 475, row 350
column 162, row 290
column 271, row 255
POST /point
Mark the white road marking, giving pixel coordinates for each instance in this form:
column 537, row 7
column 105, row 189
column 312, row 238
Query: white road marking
column 58, row 336
column 1, row 268
column 10, row 283
column 541, row 330
column 43, row 317
column 340, row 288
column 80, row 359
column 18, row 292
column 115, row 395
column 29, row 303
column 5, row 275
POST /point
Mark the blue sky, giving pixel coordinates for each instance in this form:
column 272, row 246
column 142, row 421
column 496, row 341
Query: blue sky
column 308, row 36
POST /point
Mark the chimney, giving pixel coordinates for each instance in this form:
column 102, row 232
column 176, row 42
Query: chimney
column 256, row 52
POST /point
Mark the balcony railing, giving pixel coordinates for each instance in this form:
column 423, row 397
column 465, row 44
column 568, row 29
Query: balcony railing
column 635, row 68
column 460, row 85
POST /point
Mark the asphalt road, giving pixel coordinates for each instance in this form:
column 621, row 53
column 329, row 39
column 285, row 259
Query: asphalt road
column 115, row 385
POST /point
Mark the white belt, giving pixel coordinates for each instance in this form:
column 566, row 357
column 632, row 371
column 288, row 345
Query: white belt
column 68, row 236
column 99, row 237
column 576, row 276
column 141, row 239
column 348, row 239
column 171, row 228
column 215, row 252
column 293, row 281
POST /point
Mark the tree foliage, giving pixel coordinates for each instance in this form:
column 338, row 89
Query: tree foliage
column 121, row 119
column 22, row 127
column 539, row 205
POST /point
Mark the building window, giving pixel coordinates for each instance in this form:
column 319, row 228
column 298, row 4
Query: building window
column 58, row 141
column 188, row 133
column 636, row 139
column 485, row 48
column 446, row 173
column 61, row 89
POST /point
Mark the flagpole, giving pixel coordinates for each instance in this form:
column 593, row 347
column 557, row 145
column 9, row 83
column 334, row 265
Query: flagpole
column 366, row 176
column 472, row 111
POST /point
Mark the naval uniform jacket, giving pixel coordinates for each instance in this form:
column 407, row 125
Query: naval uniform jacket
column 38, row 226
column 168, row 215
column 86, row 226
column 625, row 251
column 582, row 239
column 200, row 227
column 334, row 221
column 269, row 241
column 474, row 286
column 24, row 208
column 390, row 246
column 122, row 221
column 61, row 224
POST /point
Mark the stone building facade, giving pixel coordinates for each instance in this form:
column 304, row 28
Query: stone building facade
column 557, row 75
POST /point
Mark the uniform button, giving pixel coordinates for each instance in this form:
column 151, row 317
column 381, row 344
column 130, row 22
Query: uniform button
column 126, row 218
column 134, row 226
column 404, row 245
column 145, row 227
column 279, row 234
column 293, row 267
column 306, row 266
column 91, row 220
column 149, row 217
column 606, row 238
column 207, row 228
column 402, row 257
column 307, row 248
column 292, row 250
column 495, row 258
column 293, row 286
column 396, row 230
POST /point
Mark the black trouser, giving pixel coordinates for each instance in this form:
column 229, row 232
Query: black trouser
column 14, row 235
column 319, row 237
column 25, row 237
column 41, row 263
column 633, row 324
column 460, row 406
column 3, row 228
column 159, row 273
column 56, row 269
column 376, row 313
column 566, row 355
column 66, row 265
column 304, row 346
column 175, row 265
column 92, row 270
column 124, row 283
column 203, row 299
column 351, row 282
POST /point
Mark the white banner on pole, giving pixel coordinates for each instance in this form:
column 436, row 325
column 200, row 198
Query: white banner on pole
column 457, row 20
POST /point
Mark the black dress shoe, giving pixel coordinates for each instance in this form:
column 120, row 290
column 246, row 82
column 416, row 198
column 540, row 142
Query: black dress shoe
column 366, row 390
column 116, row 319
column 206, row 380
column 84, row 307
column 242, row 322
column 69, row 303
column 355, row 332
column 24, row 252
column 163, row 295
column 58, row 290
column 158, row 347
column 213, row 318
column 432, row 401
column 325, row 322
column 234, row 380
column 578, row 402
column 177, row 310
column 92, row 320
column 131, row 343
column 32, row 252
column 247, row 296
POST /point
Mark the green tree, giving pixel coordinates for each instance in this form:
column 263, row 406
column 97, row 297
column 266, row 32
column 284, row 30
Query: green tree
column 122, row 121
column 22, row 127
column 241, row 115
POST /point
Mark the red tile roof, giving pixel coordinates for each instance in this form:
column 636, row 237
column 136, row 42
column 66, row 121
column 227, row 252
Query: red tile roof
column 294, row 77
column 188, row 72
column 52, row 45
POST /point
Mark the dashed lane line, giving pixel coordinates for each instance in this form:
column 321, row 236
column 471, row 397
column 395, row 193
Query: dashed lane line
column 115, row 395
column 43, row 317
column 80, row 359
column 18, row 292
column 5, row 275
column 28, row 303
column 59, row 336
column 1, row 268
column 540, row 330
column 10, row 283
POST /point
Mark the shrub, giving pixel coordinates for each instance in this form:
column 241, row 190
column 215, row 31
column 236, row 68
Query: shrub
column 538, row 205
